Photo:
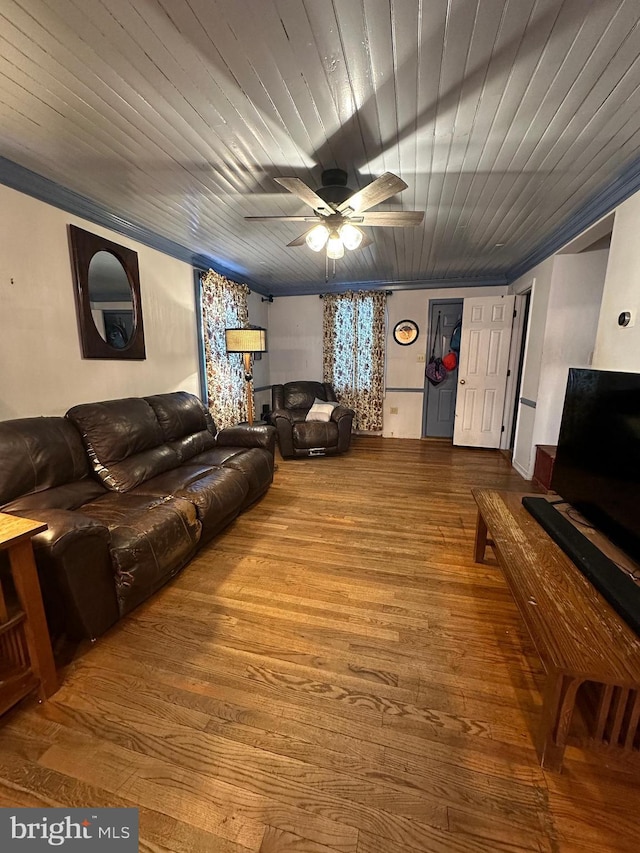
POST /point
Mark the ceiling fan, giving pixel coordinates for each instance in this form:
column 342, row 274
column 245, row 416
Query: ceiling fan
column 338, row 211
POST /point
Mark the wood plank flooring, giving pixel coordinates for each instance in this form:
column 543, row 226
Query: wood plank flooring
column 333, row 674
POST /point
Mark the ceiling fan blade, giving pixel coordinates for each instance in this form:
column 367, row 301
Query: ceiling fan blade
column 306, row 194
column 301, row 240
column 366, row 241
column 390, row 218
column 374, row 193
column 282, row 218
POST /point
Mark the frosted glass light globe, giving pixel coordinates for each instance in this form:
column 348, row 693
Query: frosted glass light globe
column 335, row 246
column 351, row 236
column 317, row 238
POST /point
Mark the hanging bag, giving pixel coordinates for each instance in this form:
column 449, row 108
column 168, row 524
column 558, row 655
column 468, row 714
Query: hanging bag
column 450, row 360
column 456, row 335
column 436, row 372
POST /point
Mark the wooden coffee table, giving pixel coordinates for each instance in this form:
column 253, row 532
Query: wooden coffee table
column 587, row 650
column 26, row 657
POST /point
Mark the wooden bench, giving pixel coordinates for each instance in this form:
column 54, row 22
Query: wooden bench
column 591, row 657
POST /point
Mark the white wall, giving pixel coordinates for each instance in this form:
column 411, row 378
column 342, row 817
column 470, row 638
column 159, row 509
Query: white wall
column 570, row 333
column 619, row 348
column 295, row 339
column 295, row 344
column 579, row 304
column 406, row 365
column 43, row 371
column 538, row 281
column 563, row 317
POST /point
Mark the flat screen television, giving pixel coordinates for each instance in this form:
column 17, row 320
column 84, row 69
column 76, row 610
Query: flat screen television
column 597, row 466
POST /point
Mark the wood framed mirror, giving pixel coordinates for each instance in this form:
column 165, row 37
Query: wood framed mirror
column 107, row 288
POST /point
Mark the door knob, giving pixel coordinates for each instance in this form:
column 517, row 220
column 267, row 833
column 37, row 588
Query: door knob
column 462, row 381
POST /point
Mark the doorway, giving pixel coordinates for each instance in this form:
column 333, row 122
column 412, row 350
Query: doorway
column 523, row 308
column 440, row 400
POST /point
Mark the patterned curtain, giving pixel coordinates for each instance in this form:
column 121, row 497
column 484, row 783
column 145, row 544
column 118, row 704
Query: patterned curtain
column 224, row 306
column 353, row 353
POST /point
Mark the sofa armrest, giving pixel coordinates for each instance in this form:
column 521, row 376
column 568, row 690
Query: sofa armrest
column 243, row 435
column 76, row 573
column 64, row 527
column 283, row 421
column 344, row 418
column 341, row 412
column 282, row 413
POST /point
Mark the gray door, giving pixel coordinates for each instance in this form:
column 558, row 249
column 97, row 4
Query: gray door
column 440, row 400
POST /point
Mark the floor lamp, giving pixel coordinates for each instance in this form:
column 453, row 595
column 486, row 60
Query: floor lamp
column 247, row 342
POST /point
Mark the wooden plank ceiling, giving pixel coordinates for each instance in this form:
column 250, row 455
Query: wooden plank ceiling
column 503, row 117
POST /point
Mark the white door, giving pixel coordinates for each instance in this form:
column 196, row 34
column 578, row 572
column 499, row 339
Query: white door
column 482, row 372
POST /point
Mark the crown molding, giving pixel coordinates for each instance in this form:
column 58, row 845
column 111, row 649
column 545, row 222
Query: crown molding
column 599, row 204
column 30, row 183
column 24, row 180
column 315, row 289
column 602, row 202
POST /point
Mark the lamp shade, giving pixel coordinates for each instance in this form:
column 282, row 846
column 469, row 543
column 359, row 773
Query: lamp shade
column 246, row 340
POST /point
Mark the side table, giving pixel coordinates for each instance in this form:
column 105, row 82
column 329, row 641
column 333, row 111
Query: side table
column 26, row 657
column 543, row 469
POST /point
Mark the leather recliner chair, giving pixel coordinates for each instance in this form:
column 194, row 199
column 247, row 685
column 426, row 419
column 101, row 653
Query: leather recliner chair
column 299, row 437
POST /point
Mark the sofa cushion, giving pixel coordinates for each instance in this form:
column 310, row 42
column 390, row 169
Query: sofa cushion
column 67, row 496
column 255, row 463
column 190, row 445
column 217, row 457
column 218, row 494
column 180, row 413
column 152, row 538
column 187, row 425
column 124, row 441
column 39, row 454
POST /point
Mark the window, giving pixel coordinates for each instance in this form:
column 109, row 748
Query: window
column 354, row 352
column 224, row 305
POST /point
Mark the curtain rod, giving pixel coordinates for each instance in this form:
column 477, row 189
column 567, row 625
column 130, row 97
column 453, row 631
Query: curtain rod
column 388, row 293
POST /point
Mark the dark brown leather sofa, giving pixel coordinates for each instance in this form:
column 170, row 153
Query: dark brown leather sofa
column 298, row 437
column 129, row 490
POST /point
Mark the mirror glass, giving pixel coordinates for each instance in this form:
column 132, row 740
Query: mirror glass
column 111, row 300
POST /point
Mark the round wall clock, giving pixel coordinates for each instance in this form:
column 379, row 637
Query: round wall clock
column 405, row 332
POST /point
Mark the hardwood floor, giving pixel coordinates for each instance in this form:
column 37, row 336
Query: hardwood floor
column 333, row 673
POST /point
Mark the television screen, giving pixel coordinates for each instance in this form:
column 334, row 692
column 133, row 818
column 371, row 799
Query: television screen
column 597, row 466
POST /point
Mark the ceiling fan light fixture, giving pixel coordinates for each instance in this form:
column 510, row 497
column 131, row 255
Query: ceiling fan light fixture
column 317, row 238
column 338, row 211
column 351, row 236
column 335, row 246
